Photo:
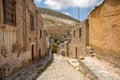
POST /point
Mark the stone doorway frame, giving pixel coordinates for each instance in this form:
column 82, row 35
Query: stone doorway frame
column 76, row 52
column 40, row 53
column 32, row 51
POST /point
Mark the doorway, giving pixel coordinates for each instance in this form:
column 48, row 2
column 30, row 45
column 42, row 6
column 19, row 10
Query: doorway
column 76, row 53
column 39, row 53
column 32, row 51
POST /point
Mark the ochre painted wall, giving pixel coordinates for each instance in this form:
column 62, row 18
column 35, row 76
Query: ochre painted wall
column 104, row 30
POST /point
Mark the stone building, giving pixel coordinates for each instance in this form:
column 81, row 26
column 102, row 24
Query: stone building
column 78, row 42
column 63, row 49
column 41, row 38
column 44, row 42
column 104, row 30
column 21, row 35
column 47, row 44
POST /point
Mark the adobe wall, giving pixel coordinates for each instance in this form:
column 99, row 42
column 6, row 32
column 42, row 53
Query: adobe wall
column 104, row 30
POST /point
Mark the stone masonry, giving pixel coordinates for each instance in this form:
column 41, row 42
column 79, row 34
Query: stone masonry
column 20, row 44
column 78, row 41
column 104, row 30
column 99, row 34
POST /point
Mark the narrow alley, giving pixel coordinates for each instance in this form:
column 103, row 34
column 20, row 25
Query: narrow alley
column 60, row 69
column 59, row 39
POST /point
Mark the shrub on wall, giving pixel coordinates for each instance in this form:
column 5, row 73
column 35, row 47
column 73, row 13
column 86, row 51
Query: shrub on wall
column 3, row 51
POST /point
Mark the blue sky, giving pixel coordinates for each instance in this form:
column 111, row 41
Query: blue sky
column 69, row 7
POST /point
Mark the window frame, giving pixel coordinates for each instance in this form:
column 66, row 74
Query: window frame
column 74, row 33
column 32, row 21
column 9, row 12
column 40, row 33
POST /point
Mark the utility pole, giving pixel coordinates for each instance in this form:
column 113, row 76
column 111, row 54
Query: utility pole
column 78, row 15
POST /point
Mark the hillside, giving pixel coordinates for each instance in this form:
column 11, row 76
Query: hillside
column 54, row 13
column 56, row 23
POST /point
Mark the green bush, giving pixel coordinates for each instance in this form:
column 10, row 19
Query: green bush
column 53, row 48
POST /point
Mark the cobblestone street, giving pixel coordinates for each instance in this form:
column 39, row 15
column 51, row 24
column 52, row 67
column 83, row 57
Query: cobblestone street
column 30, row 72
column 60, row 69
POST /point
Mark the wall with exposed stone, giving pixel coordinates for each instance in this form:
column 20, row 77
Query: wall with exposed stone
column 63, row 49
column 16, row 40
column 39, row 36
column 104, row 30
column 44, row 49
column 78, row 41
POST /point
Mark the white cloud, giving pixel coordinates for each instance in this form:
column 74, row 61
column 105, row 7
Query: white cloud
column 66, row 13
column 38, row 1
column 63, row 4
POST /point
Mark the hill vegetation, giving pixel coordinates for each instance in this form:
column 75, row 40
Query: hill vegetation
column 57, row 25
column 54, row 13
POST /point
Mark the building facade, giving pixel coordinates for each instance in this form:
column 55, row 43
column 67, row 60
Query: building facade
column 21, row 28
column 41, row 38
column 63, row 49
column 99, row 34
column 78, row 42
column 104, row 30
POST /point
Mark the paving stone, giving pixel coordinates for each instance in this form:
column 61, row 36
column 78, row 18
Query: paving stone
column 30, row 72
column 60, row 69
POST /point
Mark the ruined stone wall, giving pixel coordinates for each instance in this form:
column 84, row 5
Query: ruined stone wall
column 31, row 35
column 66, row 48
column 47, row 44
column 71, row 45
column 40, row 36
column 104, row 30
column 43, row 39
column 63, row 49
column 44, row 43
column 82, row 40
column 69, row 48
column 78, row 41
column 9, row 57
column 16, row 41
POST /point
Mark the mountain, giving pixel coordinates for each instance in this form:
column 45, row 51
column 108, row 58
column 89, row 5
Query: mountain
column 56, row 23
column 54, row 13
